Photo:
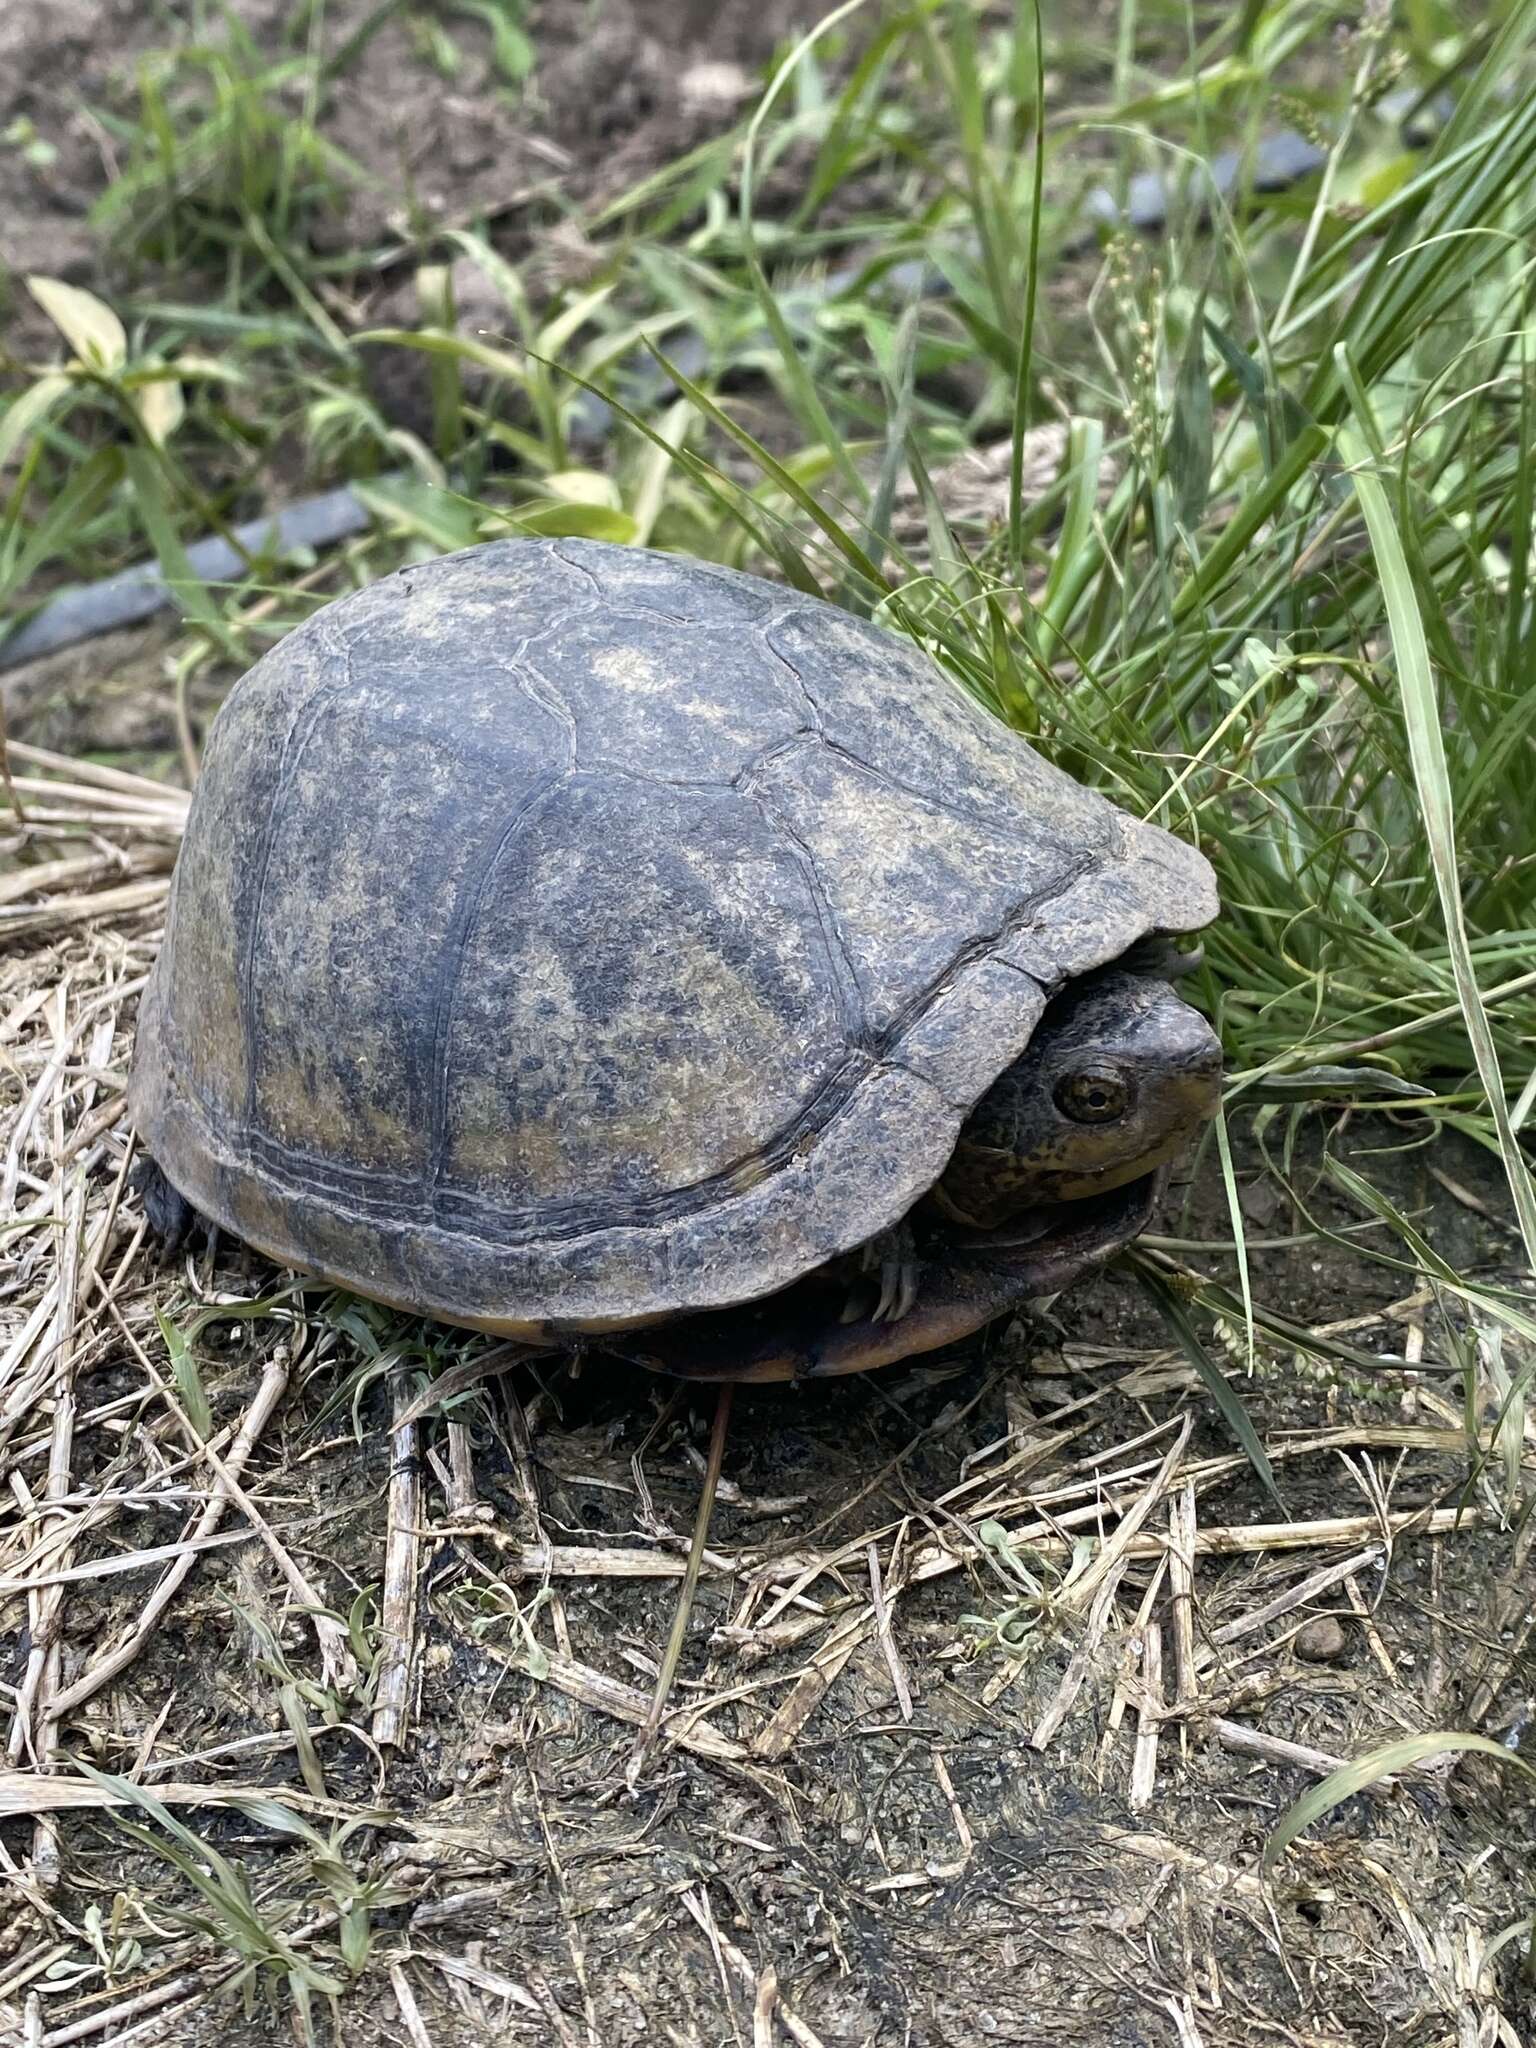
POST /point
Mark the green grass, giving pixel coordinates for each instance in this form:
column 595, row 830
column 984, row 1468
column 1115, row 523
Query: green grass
column 223, row 166
column 254, row 1931
column 1279, row 596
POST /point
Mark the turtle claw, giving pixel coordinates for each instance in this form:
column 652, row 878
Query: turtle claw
column 898, row 1290
column 893, row 1254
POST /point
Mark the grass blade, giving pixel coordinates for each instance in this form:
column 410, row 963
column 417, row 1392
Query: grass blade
column 1426, row 740
column 188, row 588
column 1170, row 1305
column 1027, row 338
column 1369, row 1770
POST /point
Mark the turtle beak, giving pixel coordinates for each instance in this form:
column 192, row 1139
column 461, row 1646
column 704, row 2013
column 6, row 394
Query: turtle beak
column 1189, row 1086
column 1195, row 1074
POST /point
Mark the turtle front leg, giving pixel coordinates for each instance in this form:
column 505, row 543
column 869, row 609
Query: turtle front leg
column 798, row 1334
column 893, row 1255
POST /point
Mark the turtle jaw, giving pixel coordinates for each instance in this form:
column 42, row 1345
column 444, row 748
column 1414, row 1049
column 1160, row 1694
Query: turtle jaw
column 962, row 1286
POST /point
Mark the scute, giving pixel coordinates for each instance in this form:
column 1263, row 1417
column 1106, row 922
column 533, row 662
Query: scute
column 907, row 879
column 644, row 697
column 343, row 979
column 586, row 1074
column 569, row 935
column 644, row 581
column 885, row 703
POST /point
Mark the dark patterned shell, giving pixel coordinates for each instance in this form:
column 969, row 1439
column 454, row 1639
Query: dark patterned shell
column 569, row 935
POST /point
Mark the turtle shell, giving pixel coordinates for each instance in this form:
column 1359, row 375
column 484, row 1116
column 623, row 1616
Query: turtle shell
column 567, row 936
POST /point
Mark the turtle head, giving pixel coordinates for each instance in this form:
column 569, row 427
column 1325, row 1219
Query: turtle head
column 1119, row 1074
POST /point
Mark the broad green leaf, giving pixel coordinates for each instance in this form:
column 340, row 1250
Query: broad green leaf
column 26, row 413
column 160, row 407
column 92, row 329
column 584, row 522
column 582, row 487
column 434, row 343
column 447, row 521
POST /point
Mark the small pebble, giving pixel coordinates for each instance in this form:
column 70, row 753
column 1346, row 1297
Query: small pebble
column 714, row 84
column 1322, row 1641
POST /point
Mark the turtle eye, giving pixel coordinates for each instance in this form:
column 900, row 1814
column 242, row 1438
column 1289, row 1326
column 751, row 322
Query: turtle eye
column 1092, row 1095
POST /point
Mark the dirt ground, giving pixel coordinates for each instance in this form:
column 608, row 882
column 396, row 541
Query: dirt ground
column 932, row 1792
column 995, row 1818
column 619, row 87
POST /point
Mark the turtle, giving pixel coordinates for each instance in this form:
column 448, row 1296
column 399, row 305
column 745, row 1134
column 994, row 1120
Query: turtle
column 601, row 947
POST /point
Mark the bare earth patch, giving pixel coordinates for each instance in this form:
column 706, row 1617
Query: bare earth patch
column 617, row 89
